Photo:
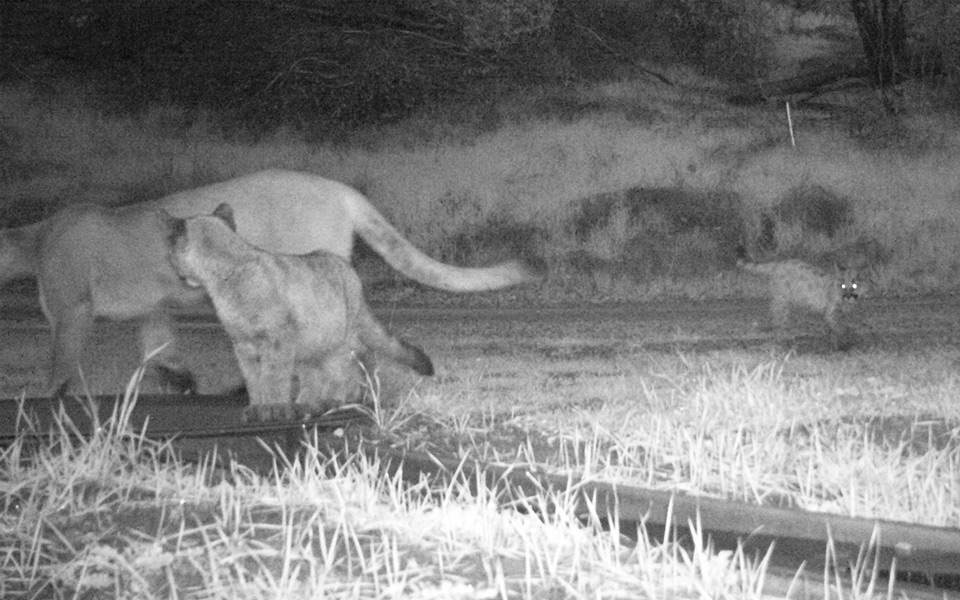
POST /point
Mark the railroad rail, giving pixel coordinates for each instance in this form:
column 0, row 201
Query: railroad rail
column 799, row 538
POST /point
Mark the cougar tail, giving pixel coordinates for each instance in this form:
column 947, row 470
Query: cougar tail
column 403, row 256
column 416, row 359
column 376, row 339
column 380, row 342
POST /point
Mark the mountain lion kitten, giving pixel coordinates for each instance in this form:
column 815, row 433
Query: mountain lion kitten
column 796, row 284
column 286, row 315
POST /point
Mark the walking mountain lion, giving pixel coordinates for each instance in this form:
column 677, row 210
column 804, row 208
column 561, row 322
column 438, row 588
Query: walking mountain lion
column 793, row 283
column 286, row 314
column 91, row 261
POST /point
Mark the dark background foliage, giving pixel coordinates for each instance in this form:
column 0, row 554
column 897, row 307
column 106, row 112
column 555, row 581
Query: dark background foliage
column 309, row 64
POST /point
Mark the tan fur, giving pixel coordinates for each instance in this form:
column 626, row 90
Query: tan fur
column 295, row 213
column 286, row 315
column 74, row 257
column 796, row 284
column 95, row 262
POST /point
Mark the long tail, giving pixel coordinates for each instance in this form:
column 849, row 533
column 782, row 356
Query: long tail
column 376, row 339
column 403, row 256
column 416, row 359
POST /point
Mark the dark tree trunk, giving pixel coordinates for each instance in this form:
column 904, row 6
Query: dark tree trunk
column 883, row 30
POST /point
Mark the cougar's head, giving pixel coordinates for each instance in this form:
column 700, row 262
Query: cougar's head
column 850, row 291
column 178, row 249
column 851, row 287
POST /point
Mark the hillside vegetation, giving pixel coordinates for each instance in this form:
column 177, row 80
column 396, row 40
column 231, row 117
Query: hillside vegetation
column 546, row 129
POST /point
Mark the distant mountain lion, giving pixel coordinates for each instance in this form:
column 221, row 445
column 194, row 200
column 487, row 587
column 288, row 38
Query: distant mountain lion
column 795, row 283
column 285, row 314
column 92, row 261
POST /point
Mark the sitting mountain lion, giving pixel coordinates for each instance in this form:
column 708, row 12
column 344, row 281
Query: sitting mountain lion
column 285, row 314
column 91, row 261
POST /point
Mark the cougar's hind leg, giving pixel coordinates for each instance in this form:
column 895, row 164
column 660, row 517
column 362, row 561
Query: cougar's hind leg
column 276, row 372
column 249, row 363
column 268, row 372
column 311, row 395
column 71, row 332
column 157, row 336
column 331, row 381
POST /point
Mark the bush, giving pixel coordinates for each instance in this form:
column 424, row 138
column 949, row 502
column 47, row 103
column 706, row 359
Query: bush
column 333, row 65
column 728, row 39
column 830, row 7
column 339, row 64
column 647, row 232
column 816, row 209
column 495, row 25
column 936, row 42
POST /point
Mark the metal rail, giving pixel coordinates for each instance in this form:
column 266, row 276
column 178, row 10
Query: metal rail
column 799, row 538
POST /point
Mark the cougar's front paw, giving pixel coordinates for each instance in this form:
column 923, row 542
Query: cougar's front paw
column 263, row 413
column 182, row 381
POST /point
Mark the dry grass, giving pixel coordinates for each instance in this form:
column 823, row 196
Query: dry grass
column 871, row 436
column 535, row 172
column 116, row 516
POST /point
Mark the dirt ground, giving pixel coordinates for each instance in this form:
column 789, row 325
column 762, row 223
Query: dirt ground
column 517, row 340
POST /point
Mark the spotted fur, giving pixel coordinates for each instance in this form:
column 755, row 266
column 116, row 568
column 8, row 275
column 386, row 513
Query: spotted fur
column 287, row 315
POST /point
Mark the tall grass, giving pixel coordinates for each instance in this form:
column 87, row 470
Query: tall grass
column 534, row 173
column 871, row 436
column 117, row 515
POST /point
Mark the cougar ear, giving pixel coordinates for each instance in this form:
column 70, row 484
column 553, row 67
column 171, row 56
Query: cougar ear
column 225, row 213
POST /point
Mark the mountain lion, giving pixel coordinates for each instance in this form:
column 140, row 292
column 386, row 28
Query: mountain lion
column 795, row 283
column 91, row 261
column 285, row 314
column 296, row 213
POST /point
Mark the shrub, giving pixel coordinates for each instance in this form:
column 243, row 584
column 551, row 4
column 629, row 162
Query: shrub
column 494, row 240
column 831, row 7
column 495, row 25
column 724, row 38
column 814, row 208
column 336, row 65
column 936, row 42
column 657, row 231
